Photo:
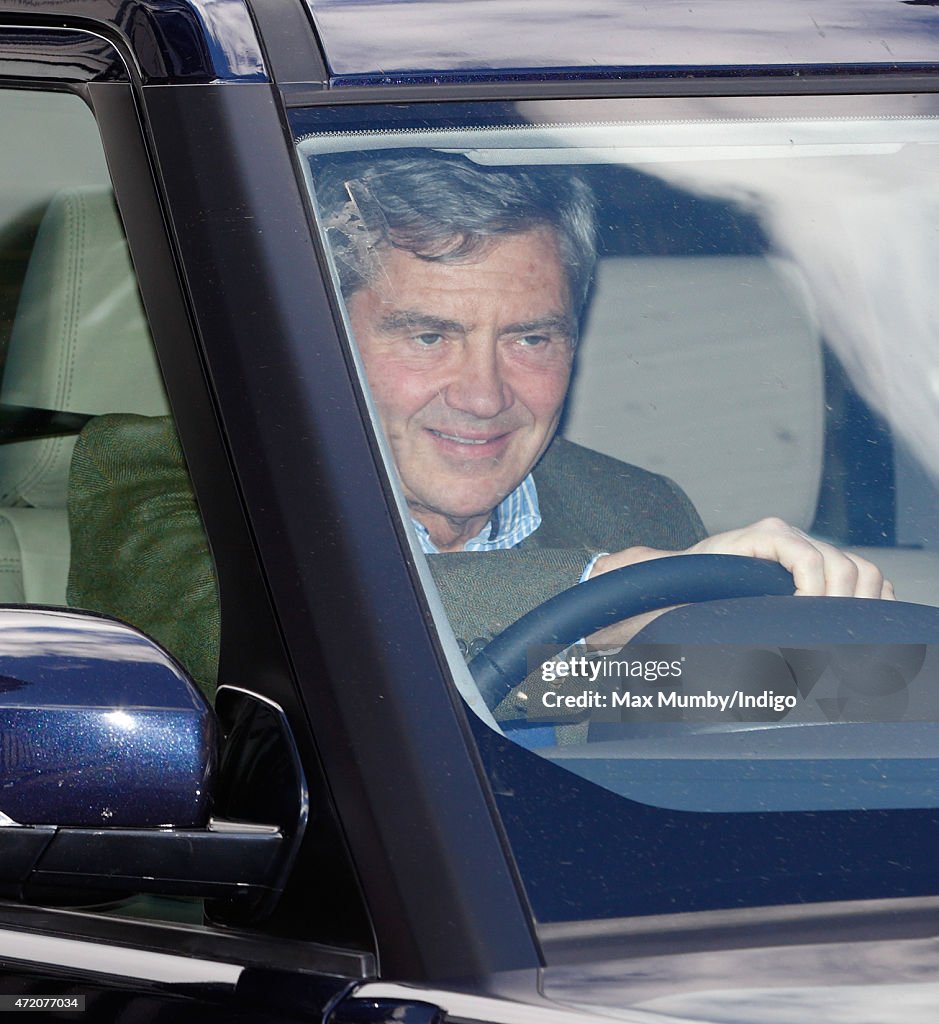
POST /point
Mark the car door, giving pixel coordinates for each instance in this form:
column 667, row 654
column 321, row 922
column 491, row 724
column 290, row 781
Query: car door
column 289, row 579
column 78, row 348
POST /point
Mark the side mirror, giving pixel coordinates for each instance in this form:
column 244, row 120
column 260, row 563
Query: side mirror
column 109, row 766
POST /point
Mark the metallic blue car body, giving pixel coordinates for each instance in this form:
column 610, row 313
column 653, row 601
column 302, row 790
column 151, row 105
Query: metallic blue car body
column 404, row 40
column 388, row 51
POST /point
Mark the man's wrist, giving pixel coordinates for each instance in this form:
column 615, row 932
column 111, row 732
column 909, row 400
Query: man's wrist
column 620, row 559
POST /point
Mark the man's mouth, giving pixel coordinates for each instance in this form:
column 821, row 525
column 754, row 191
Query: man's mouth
column 459, row 439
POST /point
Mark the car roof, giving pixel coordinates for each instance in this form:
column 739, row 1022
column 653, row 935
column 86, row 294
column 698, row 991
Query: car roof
column 391, row 39
column 384, row 42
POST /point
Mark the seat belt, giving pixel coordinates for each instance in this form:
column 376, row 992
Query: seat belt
column 28, row 423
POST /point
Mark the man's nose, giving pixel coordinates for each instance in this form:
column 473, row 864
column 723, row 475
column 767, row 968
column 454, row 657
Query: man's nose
column 479, row 386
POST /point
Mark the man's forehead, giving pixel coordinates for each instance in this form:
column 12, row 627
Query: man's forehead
column 525, row 263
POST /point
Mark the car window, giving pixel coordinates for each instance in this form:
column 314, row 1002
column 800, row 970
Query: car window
column 80, row 375
column 96, row 508
column 618, row 326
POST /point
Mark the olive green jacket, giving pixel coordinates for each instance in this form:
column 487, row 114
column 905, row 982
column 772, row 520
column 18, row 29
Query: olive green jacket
column 590, row 503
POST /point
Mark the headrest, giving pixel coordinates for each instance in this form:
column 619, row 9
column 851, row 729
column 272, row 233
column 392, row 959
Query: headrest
column 707, row 370
column 80, row 340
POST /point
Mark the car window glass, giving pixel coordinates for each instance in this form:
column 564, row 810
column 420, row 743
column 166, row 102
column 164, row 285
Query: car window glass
column 93, row 487
column 756, row 341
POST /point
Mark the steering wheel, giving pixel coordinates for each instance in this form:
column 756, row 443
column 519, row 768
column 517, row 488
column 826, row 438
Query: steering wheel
column 620, row 594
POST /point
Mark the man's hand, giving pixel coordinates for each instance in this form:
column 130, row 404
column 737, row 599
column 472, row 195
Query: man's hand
column 819, row 569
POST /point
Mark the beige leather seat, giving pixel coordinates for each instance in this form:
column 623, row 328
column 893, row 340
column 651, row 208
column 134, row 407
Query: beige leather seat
column 719, row 383
column 80, row 343
column 709, row 370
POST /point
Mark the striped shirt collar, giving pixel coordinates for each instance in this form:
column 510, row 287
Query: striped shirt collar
column 516, row 517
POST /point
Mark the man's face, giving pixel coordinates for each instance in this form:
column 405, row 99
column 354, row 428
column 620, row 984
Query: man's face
column 469, row 363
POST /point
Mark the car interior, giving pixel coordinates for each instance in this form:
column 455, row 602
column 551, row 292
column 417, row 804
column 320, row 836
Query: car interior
column 79, row 343
column 703, row 358
column 695, row 357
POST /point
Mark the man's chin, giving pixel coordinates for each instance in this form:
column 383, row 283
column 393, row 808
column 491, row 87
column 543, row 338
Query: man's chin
column 458, row 515
column 449, row 507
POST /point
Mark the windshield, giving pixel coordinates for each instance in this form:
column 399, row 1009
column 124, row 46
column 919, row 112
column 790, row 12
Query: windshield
column 597, row 334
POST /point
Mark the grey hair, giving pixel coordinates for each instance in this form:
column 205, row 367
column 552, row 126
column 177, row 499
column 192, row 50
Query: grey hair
column 441, row 207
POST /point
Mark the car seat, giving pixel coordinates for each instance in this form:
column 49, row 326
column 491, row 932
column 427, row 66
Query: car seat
column 80, row 343
column 719, row 382
column 709, row 370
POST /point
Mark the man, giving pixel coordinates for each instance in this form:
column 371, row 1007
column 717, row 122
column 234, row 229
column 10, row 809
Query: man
column 464, row 288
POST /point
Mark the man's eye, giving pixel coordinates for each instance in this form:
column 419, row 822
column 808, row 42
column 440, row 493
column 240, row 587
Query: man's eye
column 533, row 340
column 428, row 339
